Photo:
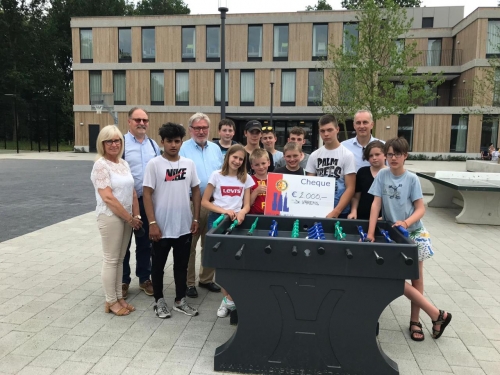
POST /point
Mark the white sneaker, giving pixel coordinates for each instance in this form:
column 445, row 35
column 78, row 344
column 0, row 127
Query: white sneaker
column 225, row 308
column 184, row 308
column 161, row 309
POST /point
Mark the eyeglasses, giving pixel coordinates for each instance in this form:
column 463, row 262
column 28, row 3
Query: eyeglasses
column 267, row 128
column 138, row 120
column 198, row 129
column 397, row 155
column 109, row 142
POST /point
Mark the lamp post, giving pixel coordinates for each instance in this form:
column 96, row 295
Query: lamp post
column 223, row 10
column 15, row 120
column 272, row 95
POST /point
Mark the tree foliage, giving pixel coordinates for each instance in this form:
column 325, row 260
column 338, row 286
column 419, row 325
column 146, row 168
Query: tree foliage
column 321, row 5
column 36, row 64
column 358, row 4
column 372, row 71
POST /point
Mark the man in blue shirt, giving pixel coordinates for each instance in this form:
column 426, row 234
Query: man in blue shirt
column 363, row 125
column 207, row 157
column 139, row 150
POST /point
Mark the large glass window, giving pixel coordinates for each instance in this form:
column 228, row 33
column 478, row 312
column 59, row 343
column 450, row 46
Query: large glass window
column 351, row 36
column 182, row 88
column 280, row 43
column 320, row 41
column 427, row 22
column 125, row 45
column 148, row 45
column 489, row 131
column 434, row 52
column 255, row 43
column 247, row 86
column 287, row 87
column 405, row 128
column 120, row 87
column 459, row 125
column 95, row 85
column 218, row 87
column 86, row 53
column 493, row 42
column 213, row 43
column 157, row 88
column 315, row 91
column 188, row 43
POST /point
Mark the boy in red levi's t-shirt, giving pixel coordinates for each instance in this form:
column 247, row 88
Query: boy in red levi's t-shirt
column 259, row 160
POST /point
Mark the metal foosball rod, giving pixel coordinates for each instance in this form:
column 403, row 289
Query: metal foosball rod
column 348, row 254
column 252, row 228
column 294, row 251
column 219, row 219
column 378, row 258
column 239, row 253
column 385, row 233
column 408, row 260
column 268, row 249
column 231, row 227
column 216, row 246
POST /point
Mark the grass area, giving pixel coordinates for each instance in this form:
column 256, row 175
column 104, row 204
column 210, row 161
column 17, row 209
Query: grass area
column 26, row 146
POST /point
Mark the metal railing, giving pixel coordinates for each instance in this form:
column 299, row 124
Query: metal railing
column 450, row 98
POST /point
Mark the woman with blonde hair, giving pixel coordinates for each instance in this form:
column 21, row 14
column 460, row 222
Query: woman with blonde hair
column 117, row 214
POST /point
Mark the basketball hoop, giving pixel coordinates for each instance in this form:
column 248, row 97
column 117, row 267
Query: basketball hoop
column 98, row 109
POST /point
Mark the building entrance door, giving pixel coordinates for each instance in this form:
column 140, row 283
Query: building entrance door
column 94, row 130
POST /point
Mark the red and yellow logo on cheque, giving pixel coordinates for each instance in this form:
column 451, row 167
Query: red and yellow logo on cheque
column 281, row 185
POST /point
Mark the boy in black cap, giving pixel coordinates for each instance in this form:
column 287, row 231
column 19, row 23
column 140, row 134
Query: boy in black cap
column 253, row 133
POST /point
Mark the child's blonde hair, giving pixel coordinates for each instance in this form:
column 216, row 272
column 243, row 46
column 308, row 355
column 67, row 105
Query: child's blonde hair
column 257, row 154
column 292, row 146
column 242, row 170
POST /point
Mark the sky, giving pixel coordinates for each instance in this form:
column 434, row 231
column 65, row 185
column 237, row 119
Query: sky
column 266, row 6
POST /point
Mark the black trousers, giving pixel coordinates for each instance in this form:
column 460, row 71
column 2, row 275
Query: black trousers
column 181, row 249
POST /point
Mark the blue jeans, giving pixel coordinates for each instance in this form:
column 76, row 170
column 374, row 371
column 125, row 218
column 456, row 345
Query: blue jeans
column 212, row 216
column 142, row 252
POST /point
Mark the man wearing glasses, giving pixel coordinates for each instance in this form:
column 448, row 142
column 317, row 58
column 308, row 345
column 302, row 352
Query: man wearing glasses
column 139, row 150
column 207, row 157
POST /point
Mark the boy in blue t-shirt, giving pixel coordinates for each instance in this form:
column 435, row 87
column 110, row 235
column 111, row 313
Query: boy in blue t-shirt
column 398, row 193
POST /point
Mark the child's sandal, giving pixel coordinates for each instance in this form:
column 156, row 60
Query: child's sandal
column 416, row 331
column 440, row 322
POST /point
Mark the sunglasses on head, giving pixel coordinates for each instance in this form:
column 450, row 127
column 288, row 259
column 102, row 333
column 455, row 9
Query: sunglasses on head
column 267, row 128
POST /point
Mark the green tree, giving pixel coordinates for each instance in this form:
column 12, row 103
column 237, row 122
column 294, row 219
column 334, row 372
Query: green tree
column 321, row 5
column 154, row 7
column 375, row 71
column 358, row 4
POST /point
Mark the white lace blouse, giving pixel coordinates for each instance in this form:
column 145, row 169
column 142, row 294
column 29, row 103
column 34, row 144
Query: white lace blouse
column 117, row 176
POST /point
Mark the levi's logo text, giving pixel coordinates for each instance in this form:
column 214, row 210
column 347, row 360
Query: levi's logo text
column 231, row 191
column 327, row 167
column 175, row 174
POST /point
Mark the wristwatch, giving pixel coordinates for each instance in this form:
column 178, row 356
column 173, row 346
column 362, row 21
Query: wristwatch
column 196, row 221
column 137, row 217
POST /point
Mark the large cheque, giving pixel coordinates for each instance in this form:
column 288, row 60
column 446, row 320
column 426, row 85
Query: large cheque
column 292, row 195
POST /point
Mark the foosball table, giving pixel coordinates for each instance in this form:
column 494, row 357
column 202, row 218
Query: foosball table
column 309, row 293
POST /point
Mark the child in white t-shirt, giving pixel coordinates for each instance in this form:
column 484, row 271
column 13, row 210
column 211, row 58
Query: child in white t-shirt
column 230, row 189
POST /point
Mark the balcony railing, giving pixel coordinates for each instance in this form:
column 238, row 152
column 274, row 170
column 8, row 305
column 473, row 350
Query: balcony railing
column 444, row 57
column 450, row 98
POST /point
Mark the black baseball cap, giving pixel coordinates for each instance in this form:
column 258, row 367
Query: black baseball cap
column 252, row 125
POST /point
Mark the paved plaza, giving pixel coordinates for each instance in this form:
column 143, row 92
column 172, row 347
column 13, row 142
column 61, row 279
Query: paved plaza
column 52, row 318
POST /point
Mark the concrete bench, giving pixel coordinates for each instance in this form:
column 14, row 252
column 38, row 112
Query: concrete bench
column 480, row 193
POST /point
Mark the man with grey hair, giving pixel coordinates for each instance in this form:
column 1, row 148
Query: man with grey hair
column 207, row 157
column 363, row 125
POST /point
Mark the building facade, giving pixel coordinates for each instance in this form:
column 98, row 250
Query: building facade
column 170, row 65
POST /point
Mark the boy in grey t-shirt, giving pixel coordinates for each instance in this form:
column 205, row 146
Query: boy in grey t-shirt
column 399, row 194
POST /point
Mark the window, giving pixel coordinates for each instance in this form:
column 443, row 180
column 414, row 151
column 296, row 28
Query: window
column 254, row 43
column 288, row 87
column 315, row 90
column 458, row 141
column 86, row 53
column 188, row 44
column 218, row 87
column 148, row 45
column 432, row 91
column 95, row 86
column 493, row 42
column 489, row 131
column 434, row 52
column 125, row 45
column 280, row 43
column 182, row 87
column 351, row 36
column 213, row 43
column 427, row 22
column 119, row 87
column 320, row 41
column 247, row 87
column 157, row 88
column 405, row 128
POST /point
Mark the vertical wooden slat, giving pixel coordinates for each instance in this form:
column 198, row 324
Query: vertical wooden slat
column 136, row 44
column 169, row 87
column 201, row 43
column 81, row 82
column 234, row 87
column 300, row 42
column 301, row 87
column 107, row 81
column 474, row 133
column 168, row 44
column 75, row 36
column 201, row 87
column 432, row 133
column 236, row 42
column 267, row 42
column 105, row 42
